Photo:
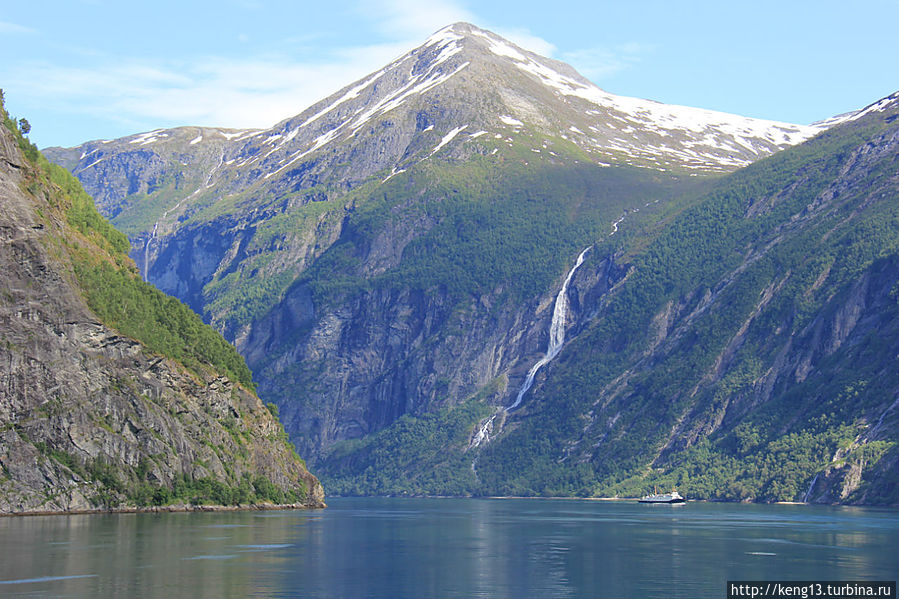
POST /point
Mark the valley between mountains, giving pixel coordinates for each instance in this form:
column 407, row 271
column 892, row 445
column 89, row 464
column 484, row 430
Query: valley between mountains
column 389, row 263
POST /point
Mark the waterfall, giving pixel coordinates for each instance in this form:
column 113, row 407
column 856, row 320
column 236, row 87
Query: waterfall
column 880, row 420
column 810, row 487
column 165, row 215
column 151, row 237
column 483, row 435
column 556, row 339
column 556, row 333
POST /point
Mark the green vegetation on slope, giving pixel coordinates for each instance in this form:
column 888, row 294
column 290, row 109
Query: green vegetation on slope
column 161, row 322
column 513, row 220
column 504, row 234
column 84, row 420
column 111, row 284
column 417, row 455
column 484, row 225
column 135, row 486
column 759, row 266
column 719, row 262
column 244, row 294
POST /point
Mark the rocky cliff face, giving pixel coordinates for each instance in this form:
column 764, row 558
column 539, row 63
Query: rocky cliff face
column 92, row 419
column 232, row 221
column 395, row 251
column 396, row 351
column 748, row 354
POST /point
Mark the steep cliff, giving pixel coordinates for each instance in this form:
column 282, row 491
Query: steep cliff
column 388, row 262
column 91, row 418
column 743, row 347
column 392, row 248
column 750, row 354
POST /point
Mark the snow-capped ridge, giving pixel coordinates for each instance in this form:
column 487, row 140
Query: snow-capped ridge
column 483, row 94
column 854, row 115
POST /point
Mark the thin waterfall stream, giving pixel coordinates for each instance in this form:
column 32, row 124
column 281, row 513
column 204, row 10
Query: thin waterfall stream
column 808, row 494
column 556, row 332
column 150, row 238
column 556, row 340
column 165, row 215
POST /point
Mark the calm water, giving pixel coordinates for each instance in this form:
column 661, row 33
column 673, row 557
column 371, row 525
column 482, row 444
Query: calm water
column 445, row 548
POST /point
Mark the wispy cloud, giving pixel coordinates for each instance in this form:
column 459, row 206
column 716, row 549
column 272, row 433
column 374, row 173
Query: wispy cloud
column 14, row 29
column 413, row 18
column 254, row 89
column 527, row 40
column 211, row 92
column 600, row 62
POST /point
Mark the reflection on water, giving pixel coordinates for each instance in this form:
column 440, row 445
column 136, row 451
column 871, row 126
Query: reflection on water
column 445, row 548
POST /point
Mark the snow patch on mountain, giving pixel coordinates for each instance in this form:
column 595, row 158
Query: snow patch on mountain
column 447, row 34
column 720, row 131
column 417, row 85
column 448, row 138
column 149, row 137
column 847, row 117
column 511, row 121
column 351, row 94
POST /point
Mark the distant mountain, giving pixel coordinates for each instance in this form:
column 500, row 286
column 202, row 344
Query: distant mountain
column 114, row 395
column 745, row 350
column 229, row 221
column 388, row 262
column 464, row 92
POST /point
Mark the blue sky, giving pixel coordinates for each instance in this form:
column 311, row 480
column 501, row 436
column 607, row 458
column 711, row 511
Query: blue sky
column 92, row 69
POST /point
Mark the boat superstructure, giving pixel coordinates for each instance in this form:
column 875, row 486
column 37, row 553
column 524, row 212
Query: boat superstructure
column 672, row 497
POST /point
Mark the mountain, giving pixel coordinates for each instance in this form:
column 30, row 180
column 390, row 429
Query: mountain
column 390, row 263
column 309, row 242
column 114, row 395
column 745, row 351
column 464, row 93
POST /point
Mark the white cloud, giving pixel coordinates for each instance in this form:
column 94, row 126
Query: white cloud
column 254, row 92
column 12, row 29
column 600, row 62
column 413, row 18
column 527, row 40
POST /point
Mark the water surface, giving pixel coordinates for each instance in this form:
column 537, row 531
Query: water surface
column 445, row 548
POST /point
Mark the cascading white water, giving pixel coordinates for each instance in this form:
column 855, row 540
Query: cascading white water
column 165, row 215
column 810, row 487
column 556, row 333
column 556, row 339
column 152, row 236
column 483, row 434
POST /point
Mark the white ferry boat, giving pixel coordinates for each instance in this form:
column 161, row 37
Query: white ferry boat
column 672, row 497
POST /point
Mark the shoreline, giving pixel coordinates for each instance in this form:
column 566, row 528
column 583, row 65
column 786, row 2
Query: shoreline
column 621, row 500
column 169, row 509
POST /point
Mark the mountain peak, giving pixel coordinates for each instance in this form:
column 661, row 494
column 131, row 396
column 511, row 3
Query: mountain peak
column 467, row 84
column 466, row 77
column 458, row 28
column 465, row 91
